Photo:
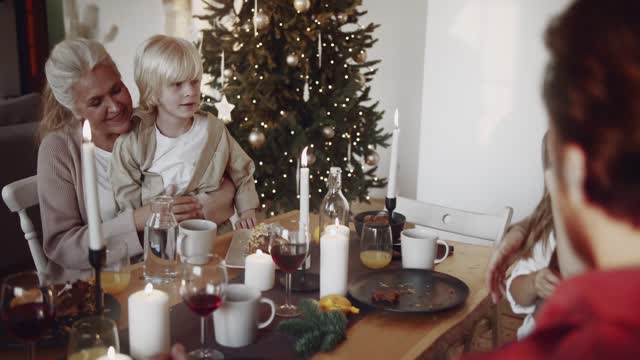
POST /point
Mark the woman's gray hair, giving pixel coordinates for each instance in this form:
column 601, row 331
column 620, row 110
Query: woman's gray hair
column 69, row 60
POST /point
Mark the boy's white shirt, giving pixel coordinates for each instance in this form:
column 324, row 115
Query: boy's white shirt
column 175, row 158
column 541, row 256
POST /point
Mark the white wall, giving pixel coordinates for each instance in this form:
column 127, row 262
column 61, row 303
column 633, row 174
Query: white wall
column 483, row 116
column 398, row 84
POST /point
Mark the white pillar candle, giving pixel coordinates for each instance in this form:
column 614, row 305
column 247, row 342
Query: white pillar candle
column 90, row 186
column 393, row 165
column 334, row 260
column 259, row 271
column 148, row 322
column 113, row 355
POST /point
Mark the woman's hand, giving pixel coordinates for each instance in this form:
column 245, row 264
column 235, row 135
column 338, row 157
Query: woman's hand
column 187, row 207
column 247, row 220
column 545, row 282
column 501, row 259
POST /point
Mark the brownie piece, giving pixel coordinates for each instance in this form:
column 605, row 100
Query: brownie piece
column 385, row 296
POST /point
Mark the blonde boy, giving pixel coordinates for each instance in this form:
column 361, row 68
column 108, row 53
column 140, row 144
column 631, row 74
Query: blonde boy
column 172, row 145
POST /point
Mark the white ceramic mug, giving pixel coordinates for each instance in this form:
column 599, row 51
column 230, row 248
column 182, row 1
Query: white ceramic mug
column 196, row 237
column 236, row 321
column 419, row 248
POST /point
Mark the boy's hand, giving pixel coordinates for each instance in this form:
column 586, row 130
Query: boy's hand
column 187, row 207
column 247, row 220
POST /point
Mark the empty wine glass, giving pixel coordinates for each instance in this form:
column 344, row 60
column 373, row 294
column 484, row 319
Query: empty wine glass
column 289, row 249
column 376, row 247
column 203, row 288
column 91, row 337
column 27, row 307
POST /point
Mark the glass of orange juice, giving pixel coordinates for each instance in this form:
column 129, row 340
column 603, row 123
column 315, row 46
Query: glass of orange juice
column 376, row 245
column 115, row 275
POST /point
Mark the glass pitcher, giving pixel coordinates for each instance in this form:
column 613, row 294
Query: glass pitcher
column 160, row 234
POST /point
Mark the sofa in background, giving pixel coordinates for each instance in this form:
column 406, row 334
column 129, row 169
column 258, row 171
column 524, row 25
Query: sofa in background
column 19, row 118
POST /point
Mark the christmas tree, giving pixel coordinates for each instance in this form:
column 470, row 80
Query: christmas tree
column 294, row 74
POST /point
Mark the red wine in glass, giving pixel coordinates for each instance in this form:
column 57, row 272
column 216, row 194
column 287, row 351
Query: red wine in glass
column 28, row 322
column 289, row 257
column 203, row 304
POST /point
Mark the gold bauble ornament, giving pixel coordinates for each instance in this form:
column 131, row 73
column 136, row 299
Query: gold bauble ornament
column 328, row 132
column 292, row 59
column 246, row 27
column 257, row 138
column 228, row 73
column 302, row 5
column 372, row 158
column 360, row 57
column 342, row 18
column 261, row 21
column 311, row 158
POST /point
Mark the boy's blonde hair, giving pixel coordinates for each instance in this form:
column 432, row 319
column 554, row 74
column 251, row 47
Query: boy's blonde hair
column 68, row 62
column 162, row 60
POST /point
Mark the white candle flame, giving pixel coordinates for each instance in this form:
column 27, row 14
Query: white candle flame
column 86, row 131
column 395, row 118
column 337, row 222
column 259, row 252
column 111, row 353
column 148, row 289
column 303, row 158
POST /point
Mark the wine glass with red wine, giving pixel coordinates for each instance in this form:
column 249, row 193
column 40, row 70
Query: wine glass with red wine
column 27, row 307
column 289, row 249
column 202, row 288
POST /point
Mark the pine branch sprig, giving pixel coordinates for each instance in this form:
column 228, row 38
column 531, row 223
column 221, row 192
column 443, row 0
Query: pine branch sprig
column 315, row 330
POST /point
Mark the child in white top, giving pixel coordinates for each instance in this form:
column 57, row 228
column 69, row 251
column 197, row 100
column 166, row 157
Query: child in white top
column 535, row 276
column 172, row 145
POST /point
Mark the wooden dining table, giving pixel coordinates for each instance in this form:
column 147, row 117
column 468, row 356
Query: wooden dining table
column 375, row 334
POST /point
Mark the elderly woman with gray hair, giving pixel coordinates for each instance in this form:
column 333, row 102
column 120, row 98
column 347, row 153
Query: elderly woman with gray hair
column 83, row 82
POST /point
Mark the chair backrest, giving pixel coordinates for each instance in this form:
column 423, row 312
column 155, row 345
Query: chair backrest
column 455, row 224
column 19, row 196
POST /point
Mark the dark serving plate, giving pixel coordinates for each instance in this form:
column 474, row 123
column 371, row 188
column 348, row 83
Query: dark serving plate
column 59, row 333
column 422, row 291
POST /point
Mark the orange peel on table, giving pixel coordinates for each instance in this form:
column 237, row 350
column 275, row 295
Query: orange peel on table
column 337, row 302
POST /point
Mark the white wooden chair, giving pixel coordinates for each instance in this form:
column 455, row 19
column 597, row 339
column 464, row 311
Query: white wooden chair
column 463, row 226
column 19, row 196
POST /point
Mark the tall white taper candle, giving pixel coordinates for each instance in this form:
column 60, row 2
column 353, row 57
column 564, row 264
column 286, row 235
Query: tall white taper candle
column 90, row 187
column 393, row 165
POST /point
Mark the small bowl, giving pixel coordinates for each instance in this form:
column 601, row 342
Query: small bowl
column 397, row 223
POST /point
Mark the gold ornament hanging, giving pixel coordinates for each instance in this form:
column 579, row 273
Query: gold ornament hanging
column 292, row 59
column 372, row 158
column 261, row 21
column 228, row 73
column 342, row 18
column 311, row 158
column 360, row 57
column 302, row 5
column 257, row 138
column 328, row 132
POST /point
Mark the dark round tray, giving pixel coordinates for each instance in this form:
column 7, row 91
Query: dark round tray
column 423, row 291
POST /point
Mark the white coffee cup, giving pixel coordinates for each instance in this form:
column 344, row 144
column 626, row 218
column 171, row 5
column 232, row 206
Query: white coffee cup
column 419, row 248
column 196, row 237
column 236, row 321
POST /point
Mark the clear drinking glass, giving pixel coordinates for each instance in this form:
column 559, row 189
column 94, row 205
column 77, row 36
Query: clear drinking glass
column 289, row 250
column 115, row 275
column 160, row 233
column 27, row 307
column 376, row 246
column 203, row 289
column 91, row 337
